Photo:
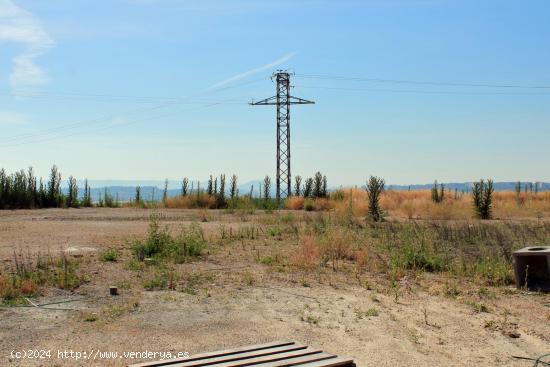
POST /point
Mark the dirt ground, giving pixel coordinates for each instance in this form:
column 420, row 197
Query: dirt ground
column 232, row 299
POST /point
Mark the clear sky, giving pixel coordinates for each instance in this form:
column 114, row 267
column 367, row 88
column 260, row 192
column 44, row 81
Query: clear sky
column 148, row 89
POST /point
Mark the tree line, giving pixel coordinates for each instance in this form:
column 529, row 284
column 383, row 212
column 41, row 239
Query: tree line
column 23, row 190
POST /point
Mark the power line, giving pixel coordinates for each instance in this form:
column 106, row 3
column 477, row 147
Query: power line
column 413, row 91
column 434, row 83
column 98, row 98
column 114, row 97
column 104, row 118
column 104, row 127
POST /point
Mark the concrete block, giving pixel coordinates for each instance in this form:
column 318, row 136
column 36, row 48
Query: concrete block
column 532, row 268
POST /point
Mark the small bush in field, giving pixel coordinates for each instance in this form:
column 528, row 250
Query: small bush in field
column 375, row 186
column 33, row 271
column 482, row 196
column 159, row 243
column 156, row 282
column 294, row 203
column 309, row 205
column 157, row 239
column 190, row 243
column 109, row 255
column 268, row 260
column 308, row 256
column 417, row 257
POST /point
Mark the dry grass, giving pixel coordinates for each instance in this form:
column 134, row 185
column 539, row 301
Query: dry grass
column 308, row 255
column 477, row 250
column 32, row 272
column 191, row 202
column 295, row 203
column 418, row 204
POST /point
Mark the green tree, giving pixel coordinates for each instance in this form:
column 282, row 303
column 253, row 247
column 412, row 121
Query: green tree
column 267, row 188
column 220, row 196
column 210, row 187
column 233, row 187
column 137, row 198
column 72, row 193
column 87, row 198
column 184, row 186
column 324, row 188
column 308, row 188
column 317, row 185
column 165, row 192
column 297, row 184
column 55, row 197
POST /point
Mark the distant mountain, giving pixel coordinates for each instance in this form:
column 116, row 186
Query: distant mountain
column 126, row 190
column 467, row 186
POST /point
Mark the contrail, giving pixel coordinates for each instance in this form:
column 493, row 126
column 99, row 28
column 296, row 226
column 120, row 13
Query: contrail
column 255, row 70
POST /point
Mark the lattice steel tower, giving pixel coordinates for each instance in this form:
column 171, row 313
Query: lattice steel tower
column 282, row 100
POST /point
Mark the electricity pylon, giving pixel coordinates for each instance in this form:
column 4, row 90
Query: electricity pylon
column 282, row 100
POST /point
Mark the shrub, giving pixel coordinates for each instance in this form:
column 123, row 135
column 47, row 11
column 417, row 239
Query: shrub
column 268, row 260
column 309, row 205
column 156, row 282
column 32, row 271
column 159, row 243
column 375, row 186
column 494, row 270
column 109, row 255
column 189, row 243
column 323, row 204
column 438, row 192
column 294, row 203
column 335, row 245
column 308, row 255
column 482, row 196
column 417, row 257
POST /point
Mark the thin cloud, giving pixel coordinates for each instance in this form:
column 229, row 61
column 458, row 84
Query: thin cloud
column 119, row 120
column 20, row 26
column 272, row 64
column 12, row 118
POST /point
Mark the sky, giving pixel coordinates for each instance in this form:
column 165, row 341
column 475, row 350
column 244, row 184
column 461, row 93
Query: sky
column 410, row 90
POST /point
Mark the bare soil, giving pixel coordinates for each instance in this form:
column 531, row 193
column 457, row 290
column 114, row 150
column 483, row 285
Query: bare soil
column 229, row 298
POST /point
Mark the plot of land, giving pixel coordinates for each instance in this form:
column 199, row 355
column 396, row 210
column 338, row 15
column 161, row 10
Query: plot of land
column 247, row 287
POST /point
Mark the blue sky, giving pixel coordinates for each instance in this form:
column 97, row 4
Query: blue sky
column 148, row 89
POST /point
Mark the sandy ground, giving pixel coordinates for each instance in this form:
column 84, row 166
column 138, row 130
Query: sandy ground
column 237, row 301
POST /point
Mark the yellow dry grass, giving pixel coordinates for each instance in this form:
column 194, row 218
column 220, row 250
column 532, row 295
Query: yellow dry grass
column 417, row 204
